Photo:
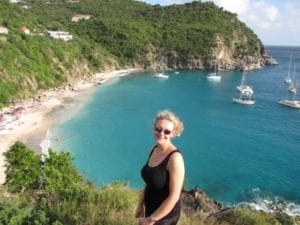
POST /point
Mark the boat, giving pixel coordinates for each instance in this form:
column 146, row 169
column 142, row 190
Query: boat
column 215, row 75
column 243, row 88
column 161, row 75
column 244, row 99
column 292, row 87
column 291, row 103
column 288, row 79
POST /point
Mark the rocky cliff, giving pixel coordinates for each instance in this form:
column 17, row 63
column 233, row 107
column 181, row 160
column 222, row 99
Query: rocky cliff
column 227, row 58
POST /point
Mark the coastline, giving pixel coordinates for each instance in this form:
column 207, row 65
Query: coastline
column 31, row 123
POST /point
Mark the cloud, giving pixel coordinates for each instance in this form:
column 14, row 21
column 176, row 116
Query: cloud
column 274, row 21
column 256, row 13
column 238, row 6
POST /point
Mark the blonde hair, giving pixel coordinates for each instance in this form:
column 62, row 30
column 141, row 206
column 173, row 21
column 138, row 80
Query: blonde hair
column 170, row 116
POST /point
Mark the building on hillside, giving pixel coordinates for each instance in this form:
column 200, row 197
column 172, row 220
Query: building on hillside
column 60, row 35
column 15, row 1
column 78, row 17
column 3, row 30
column 25, row 29
column 25, row 7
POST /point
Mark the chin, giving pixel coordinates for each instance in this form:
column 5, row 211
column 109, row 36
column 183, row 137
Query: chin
column 160, row 140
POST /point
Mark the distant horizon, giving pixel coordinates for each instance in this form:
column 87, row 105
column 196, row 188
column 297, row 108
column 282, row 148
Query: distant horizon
column 291, row 46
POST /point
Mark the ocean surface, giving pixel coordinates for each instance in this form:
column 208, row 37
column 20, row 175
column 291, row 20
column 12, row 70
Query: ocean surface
column 238, row 154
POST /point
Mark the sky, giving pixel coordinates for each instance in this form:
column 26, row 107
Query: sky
column 275, row 22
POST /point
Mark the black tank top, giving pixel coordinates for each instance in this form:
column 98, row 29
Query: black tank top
column 157, row 187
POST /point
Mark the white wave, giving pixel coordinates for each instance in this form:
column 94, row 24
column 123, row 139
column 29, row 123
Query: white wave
column 261, row 200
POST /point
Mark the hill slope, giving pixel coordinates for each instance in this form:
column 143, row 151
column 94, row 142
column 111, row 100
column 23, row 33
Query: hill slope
column 116, row 34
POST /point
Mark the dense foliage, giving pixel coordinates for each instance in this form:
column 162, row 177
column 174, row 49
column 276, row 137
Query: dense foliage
column 118, row 33
column 66, row 198
column 28, row 171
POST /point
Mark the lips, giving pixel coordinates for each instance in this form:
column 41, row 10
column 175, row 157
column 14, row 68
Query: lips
column 160, row 137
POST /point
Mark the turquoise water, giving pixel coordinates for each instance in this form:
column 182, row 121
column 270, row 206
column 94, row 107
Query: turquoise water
column 235, row 153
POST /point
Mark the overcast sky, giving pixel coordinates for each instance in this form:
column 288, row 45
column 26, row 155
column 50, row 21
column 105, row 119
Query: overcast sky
column 276, row 22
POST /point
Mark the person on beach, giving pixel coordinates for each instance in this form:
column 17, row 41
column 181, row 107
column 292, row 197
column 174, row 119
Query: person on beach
column 163, row 175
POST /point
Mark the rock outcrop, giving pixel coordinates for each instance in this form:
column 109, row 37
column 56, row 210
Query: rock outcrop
column 195, row 201
column 227, row 58
column 196, row 204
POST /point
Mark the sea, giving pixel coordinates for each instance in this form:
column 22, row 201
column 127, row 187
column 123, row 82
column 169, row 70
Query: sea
column 237, row 154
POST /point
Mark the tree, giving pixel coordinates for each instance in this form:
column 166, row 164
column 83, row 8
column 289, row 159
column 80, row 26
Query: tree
column 22, row 169
column 60, row 172
column 26, row 170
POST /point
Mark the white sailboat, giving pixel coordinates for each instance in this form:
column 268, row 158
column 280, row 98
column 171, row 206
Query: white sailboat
column 291, row 103
column 160, row 75
column 244, row 99
column 288, row 79
column 292, row 87
column 215, row 76
column 243, row 88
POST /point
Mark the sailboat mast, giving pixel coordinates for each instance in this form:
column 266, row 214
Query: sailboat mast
column 293, row 80
column 243, row 80
column 290, row 66
column 296, row 82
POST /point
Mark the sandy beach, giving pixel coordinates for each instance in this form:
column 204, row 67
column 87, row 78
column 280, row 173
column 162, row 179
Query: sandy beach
column 29, row 121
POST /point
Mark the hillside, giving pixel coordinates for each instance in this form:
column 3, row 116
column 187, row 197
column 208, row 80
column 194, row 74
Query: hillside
column 52, row 191
column 104, row 35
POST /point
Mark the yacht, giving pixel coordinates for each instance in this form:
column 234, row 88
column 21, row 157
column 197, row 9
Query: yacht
column 161, row 75
column 292, row 87
column 215, row 75
column 245, row 100
column 243, row 88
column 290, row 103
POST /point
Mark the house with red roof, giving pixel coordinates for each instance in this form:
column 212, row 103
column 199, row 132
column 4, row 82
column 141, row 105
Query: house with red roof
column 25, row 29
column 3, row 30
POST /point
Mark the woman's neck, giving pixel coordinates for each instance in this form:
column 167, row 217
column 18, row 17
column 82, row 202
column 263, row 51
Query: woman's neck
column 164, row 147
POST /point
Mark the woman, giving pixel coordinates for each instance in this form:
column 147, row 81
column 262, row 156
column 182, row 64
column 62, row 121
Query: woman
column 163, row 175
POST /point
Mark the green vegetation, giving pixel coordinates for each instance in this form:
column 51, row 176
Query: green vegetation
column 118, row 34
column 44, row 190
column 51, row 192
column 29, row 171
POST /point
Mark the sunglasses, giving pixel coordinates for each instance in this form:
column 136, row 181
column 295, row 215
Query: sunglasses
column 159, row 130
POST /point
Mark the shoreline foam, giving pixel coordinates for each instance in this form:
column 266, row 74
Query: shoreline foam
column 31, row 125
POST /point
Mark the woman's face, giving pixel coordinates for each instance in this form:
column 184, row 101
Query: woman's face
column 163, row 131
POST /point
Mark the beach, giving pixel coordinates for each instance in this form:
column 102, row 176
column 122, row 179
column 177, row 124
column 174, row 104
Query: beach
column 29, row 121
